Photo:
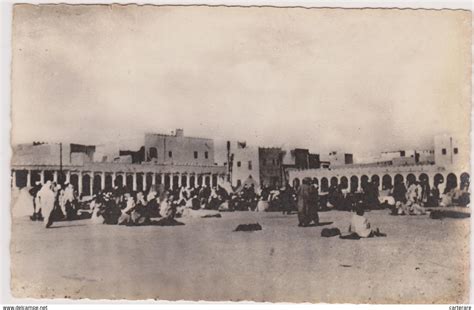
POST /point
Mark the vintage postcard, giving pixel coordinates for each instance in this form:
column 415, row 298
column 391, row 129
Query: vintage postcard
column 240, row 153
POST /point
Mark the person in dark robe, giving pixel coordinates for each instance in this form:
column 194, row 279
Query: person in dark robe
column 111, row 211
column 140, row 214
column 33, row 192
column 399, row 195
column 372, row 195
column 307, row 211
column 287, row 199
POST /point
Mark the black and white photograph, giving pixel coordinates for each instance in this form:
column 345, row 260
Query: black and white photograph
column 231, row 153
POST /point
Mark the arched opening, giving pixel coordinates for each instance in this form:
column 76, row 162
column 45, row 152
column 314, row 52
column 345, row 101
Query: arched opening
column 315, row 181
column 214, row 180
column 344, row 183
column 167, row 181
column 438, row 179
column 465, row 198
column 35, row 177
column 129, row 182
column 153, row 153
column 61, row 177
column 200, row 180
column 174, row 181
column 364, row 180
column 334, row 181
column 387, row 182
column 324, row 185
column 411, row 179
column 108, row 182
column 74, row 180
column 118, row 181
column 184, row 181
column 86, row 185
column 398, row 179
column 48, row 175
column 207, row 180
column 96, row 185
column 139, row 182
column 375, row 179
column 424, row 179
column 21, row 178
column 465, row 181
column 296, row 183
column 158, row 178
column 354, row 183
column 149, row 181
column 451, row 182
column 192, row 181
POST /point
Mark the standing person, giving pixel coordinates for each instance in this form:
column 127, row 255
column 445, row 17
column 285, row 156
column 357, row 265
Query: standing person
column 425, row 193
column 34, row 193
column 314, row 202
column 286, row 198
column 399, row 195
column 69, row 200
column 46, row 198
column 306, row 209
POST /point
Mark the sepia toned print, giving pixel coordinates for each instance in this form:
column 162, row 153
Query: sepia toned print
column 219, row 153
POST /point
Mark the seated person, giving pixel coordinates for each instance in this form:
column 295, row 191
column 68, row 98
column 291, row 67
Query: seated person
column 97, row 209
column 167, row 207
column 125, row 218
column 360, row 226
column 111, row 211
column 140, row 214
column 402, row 208
column 417, row 209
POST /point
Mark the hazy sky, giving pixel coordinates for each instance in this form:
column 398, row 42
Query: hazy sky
column 353, row 80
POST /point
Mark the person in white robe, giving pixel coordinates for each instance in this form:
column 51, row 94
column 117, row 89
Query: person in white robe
column 95, row 207
column 46, row 198
column 68, row 196
column 167, row 211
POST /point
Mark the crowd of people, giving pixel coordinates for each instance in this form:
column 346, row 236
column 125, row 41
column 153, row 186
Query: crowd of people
column 120, row 206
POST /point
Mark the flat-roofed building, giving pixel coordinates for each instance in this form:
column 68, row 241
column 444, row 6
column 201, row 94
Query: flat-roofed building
column 178, row 149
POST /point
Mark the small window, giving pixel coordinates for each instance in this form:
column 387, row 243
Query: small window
column 250, row 165
column 239, row 164
column 239, row 183
column 195, row 155
column 455, row 150
column 402, row 153
column 153, row 152
column 443, row 151
column 206, row 155
column 170, row 154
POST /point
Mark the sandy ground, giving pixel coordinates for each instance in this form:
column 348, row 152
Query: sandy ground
column 420, row 261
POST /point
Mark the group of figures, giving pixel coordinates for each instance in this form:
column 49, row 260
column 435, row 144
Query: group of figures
column 413, row 198
column 54, row 202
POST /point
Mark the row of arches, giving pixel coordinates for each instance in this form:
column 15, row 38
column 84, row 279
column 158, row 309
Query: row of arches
column 92, row 183
column 170, row 181
column 387, row 181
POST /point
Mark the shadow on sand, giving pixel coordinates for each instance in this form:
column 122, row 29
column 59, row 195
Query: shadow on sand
column 319, row 224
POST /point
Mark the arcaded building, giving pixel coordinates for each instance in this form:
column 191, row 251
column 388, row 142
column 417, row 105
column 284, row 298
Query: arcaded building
column 171, row 160
column 451, row 167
